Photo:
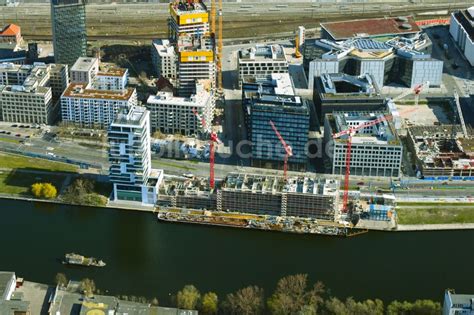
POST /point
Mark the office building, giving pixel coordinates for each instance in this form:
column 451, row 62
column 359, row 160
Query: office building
column 261, row 61
column 376, row 150
column 188, row 18
column 171, row 114
column 399, row 60
column 461, row 28
column 442, row 151
column 458, row 304
column 130, row 157
column 342, row 92
column 30, row 93
column 274, row 99
column 83, row 105
column 10, row 37
column 195, row 62
column 164, row 58
column 68, row 18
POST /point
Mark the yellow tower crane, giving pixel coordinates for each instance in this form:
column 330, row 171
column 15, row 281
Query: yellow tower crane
column 216, row 7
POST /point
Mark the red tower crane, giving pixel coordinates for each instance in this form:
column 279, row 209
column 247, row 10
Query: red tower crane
column 288, row 150
column 350, row 132
column 212, row 140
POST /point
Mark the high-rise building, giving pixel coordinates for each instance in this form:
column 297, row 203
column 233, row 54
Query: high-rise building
column 130, row 157
column 188, row 18
column 274, row 99
column 195, row 62
column 68, row 18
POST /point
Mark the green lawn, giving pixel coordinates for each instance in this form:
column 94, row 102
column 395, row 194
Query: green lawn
column 13, row 161
column 9, row 140
column 18, row 173
column 19, row 183
column 435, row 215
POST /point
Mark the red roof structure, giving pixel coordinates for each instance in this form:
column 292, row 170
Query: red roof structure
column 10, row 30
column 371, row 27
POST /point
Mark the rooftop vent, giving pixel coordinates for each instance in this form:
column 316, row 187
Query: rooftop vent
column 406, row 26
column 402, row 19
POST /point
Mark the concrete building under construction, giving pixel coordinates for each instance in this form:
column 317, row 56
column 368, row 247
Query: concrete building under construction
column 300, row 196
column 442, row 151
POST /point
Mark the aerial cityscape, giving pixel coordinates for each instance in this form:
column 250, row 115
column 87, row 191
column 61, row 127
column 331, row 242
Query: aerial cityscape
column 236, row 157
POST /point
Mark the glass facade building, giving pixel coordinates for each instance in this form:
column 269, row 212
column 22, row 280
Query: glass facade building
column 68, row 19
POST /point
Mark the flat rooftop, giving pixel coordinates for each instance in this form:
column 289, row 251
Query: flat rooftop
column 163, row 47
column 276, row 184
column 84, row 64
column 371, row 27
column 134, row 116
column 111, row 71
column 82, row 90
column 382, row 133
column 276, row 83
column 263, row 52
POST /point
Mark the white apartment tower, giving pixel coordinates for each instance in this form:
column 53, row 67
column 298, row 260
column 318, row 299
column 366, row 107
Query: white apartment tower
column 130, row 157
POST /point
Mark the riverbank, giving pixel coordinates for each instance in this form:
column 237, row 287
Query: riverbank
column 254, row 222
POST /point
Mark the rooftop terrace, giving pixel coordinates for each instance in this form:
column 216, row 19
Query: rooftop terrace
column 81, row 90
column 263, row 52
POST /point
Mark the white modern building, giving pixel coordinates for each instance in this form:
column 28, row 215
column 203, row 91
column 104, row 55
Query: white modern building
column 400, row 60
column 164, row 59
column 458, row 304
column 28, row 93
column 7, row 285
column 376, row 150
column 101, row 76
column 461, row 29
column 261, row 61
column 84, row 70
column 85, row 106
column 130, row 157
column 171, row 114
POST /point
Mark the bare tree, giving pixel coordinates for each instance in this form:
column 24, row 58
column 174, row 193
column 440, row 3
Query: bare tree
column 246, row 301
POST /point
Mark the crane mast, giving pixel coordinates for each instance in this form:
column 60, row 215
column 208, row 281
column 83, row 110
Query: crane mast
column 350, row 132
column 288, row 150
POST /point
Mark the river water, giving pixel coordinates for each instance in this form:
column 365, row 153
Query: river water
column 150, row 258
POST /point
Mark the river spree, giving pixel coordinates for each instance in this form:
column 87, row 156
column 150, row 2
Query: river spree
column 148, row 258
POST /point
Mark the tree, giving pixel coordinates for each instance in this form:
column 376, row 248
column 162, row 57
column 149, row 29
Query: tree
column 291, row 296
column 49, row 191
column 188, row 297
column 88, row 287
column 209, row 304
column 246, row 301
column 44, row 190
column 158, row 135
column 335, row 306
column 36, row 189
column 423, row 307
column 155, row 302
column 60, row 279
